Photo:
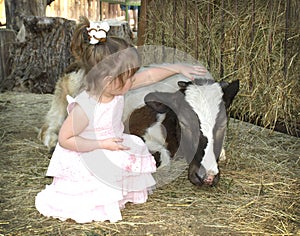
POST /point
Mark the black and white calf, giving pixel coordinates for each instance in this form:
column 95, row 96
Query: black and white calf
column 176, row 119
column 190, row 123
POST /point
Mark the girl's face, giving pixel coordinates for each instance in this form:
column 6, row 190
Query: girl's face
column 114, row 88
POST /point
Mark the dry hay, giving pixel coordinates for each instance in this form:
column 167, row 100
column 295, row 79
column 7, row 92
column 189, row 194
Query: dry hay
column 254, row 41
column 258, row 192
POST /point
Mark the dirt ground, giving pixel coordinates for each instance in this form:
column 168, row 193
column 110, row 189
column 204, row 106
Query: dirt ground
column 258, row 194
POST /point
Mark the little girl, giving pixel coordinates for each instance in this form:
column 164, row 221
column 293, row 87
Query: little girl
column 96, row 168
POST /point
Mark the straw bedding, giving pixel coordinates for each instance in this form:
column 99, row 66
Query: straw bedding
column 259, row 190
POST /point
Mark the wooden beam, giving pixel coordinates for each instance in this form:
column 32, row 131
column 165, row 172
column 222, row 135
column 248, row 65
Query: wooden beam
column 142, row 23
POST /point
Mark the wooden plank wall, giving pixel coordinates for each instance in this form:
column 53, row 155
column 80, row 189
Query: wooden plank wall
column 73, row 9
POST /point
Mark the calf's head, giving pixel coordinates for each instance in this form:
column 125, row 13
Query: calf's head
column 201, row 109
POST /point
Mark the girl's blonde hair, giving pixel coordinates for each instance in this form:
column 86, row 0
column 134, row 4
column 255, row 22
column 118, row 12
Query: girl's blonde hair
column 115, row 59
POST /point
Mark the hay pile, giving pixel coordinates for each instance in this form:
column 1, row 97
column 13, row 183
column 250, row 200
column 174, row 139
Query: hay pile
column 259, row 190
column 257, row 42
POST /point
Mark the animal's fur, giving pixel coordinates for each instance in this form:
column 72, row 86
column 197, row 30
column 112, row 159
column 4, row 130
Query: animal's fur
column 69, row 84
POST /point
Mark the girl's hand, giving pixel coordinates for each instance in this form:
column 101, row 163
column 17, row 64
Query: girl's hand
column 190, row 71
column 113, row 144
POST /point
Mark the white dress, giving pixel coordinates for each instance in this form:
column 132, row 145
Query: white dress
column 94, row 186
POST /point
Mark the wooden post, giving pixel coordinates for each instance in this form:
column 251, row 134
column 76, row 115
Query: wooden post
column 142, row 24
column 252, row 40
column 196, row 31
column 286, row 34
column 120, row 29
column 7, row 38
column 222, row 47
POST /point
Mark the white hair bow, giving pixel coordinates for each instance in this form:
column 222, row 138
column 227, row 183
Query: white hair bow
column 98, row 32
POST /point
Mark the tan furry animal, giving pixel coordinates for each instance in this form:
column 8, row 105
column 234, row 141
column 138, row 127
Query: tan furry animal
column 69, row 84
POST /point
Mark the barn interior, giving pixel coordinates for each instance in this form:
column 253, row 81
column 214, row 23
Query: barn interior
column 254, row 41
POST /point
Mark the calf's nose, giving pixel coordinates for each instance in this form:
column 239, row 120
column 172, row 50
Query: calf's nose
column 209, row 179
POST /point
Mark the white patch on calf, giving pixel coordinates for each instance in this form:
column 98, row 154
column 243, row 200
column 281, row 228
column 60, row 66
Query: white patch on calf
column 156, row 141
column 205, row 101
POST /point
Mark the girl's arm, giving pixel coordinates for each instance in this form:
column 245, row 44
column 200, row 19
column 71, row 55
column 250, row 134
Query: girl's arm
column 74, row 124
column 156, row 74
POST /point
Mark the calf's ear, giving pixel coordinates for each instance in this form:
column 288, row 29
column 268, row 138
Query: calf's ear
column 157, row 106
column 183, row 84
column 153, row 100
column 230, row 91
